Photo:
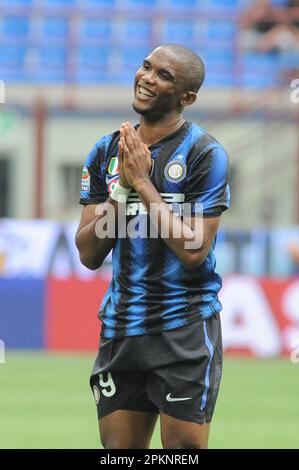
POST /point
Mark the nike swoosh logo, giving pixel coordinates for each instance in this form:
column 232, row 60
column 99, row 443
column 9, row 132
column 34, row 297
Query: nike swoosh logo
column 169, row 398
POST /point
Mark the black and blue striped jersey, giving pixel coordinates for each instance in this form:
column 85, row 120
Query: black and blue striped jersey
column 151, row 291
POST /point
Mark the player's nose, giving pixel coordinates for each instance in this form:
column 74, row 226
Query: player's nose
column 149, row 77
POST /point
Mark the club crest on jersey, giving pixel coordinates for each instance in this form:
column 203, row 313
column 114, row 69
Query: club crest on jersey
column 175, row 171
column 113, row 166
column 85, row 180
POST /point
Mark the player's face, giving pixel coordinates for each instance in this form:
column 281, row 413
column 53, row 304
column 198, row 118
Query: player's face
column 159, row 84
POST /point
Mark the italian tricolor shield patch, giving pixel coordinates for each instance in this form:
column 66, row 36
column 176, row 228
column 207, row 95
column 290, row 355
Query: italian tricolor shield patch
column 113, row 166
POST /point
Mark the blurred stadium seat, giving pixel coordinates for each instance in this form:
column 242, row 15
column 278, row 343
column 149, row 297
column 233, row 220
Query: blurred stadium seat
column 260, row 70
column 13, row 63
column 186, row 4
column 55, row 27
column 182, row 30
column 131, row 60
column 142, row 3
column 219, row 67
column 221, row 30
column 278, row 3
column 91, row 64
column 15, row 27
column 51, row 64
column 95, row 29
column 60, row 3
column 226, row 3
column 17, row 3
column 98, row 3
column 137, row 30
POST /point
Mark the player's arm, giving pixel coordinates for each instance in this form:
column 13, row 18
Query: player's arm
column 190, row 239
column 92, row 248
column 93, row 242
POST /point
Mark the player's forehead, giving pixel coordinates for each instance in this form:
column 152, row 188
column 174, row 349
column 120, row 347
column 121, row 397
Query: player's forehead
column 165, row 58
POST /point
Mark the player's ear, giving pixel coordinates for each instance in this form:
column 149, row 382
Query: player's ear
column 188, row 98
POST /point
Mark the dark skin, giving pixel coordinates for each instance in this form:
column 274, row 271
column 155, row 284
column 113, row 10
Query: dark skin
column 160, row 97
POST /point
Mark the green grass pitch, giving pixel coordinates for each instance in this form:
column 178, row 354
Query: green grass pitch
column 45, row 402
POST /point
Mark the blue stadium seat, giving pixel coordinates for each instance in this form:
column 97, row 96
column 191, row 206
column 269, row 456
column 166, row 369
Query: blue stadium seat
column 259, row 70
column 278, row 3
column 178, row 31
column 16, row 3
column 143, row 3
column 224, row 3
column 258, row 80
column 132, row 59
column 98, row 3
column 260, row 61
column 15, row 26
column 55, row 27
column 219, row 67
column 137, row 30
column 60, row 3
column 13, row 63
column 92, row 65
column 214, row 58
column 95, row 28
column 52, row 56
column 223, row 30
column 12, row 56
column 92, row 57
column 219, row 79
column 289, row 60
column 184, row 3
column 52, row 64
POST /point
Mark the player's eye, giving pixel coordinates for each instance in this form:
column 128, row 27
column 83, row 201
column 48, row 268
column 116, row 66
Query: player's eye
column 165, row 76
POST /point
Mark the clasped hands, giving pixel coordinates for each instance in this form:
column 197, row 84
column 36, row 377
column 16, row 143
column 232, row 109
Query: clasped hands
column 134, row 158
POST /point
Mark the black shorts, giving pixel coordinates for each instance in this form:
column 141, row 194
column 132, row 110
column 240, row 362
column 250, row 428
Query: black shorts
column 176, row 372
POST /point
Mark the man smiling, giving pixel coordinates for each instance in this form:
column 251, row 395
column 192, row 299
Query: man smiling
column 160, row 347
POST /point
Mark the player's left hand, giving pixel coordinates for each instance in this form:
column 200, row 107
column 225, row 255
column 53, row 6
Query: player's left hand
column 137, row 157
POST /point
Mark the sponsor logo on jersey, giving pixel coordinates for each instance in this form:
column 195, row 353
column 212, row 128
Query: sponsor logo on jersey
column 113, row 166
column 175, row 171
column 135, row 206
column 85, row 180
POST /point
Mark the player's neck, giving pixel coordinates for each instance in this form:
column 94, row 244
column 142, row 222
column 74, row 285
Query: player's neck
column 154, row 131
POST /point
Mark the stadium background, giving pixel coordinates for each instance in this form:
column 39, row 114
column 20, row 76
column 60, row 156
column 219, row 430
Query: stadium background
column 66, row 75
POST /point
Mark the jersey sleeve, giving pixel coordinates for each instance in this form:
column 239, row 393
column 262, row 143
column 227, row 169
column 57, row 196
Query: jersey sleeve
column 93, row 190
column 207, row 188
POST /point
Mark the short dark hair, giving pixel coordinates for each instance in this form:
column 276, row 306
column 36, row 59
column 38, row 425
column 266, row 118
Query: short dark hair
column 194, row 66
